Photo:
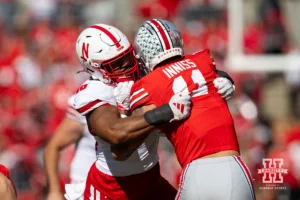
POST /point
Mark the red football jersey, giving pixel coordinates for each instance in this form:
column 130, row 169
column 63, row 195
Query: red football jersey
column 210, row 128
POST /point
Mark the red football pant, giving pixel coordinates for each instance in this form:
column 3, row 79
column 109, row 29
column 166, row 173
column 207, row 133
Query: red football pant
column 145, row 186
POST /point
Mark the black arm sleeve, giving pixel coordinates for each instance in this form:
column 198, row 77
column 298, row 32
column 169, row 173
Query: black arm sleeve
column 225, row 75
column 159, row 115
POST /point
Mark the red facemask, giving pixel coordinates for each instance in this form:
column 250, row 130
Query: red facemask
column 123, row 67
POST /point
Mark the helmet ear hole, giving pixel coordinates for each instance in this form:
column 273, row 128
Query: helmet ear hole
column 97, row 65
column 89, row 61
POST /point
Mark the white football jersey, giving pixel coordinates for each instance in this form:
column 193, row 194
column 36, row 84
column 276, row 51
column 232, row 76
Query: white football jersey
column 84, row 155
column 93, row 94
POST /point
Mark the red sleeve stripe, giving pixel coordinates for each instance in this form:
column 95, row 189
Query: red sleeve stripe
column 109, row 34
column 88, row 106
column 138, row 99
column 163, row 36
column 136, row 92
column 94, row 107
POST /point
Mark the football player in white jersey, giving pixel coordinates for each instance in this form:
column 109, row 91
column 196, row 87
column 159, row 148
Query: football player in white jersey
column 109, row 57
column 72, row 130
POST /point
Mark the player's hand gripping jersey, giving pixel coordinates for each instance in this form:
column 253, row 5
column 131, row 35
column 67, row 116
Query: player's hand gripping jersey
column 210, row 128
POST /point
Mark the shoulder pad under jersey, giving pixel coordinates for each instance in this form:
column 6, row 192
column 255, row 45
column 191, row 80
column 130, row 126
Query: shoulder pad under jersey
column 91, row 95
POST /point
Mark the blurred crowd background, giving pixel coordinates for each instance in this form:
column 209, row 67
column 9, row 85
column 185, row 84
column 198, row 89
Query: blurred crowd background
column 38, row 68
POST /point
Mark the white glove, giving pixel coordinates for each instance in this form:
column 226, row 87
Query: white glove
column 180, row 104
column 122, row 95
column 224, row 87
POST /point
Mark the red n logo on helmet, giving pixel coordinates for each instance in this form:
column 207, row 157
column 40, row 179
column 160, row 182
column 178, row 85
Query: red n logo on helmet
column 85, row 51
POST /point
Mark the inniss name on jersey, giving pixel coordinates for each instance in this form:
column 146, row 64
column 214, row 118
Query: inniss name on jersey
column 178, row 67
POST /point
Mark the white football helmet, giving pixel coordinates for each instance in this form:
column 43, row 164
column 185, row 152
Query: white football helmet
column 156, row 41
column 105, row 53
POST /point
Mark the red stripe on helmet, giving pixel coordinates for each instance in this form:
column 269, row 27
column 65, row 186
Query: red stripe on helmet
column 109, row 34
column 162, row 33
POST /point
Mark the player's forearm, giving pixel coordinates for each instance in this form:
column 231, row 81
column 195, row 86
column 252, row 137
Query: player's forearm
column 121, row 130
column 141, row 125
column 51, row 158
column 126, row 129
column 123, row 151
column 107, row 124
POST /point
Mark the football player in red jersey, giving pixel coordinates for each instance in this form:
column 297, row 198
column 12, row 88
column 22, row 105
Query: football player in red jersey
column 7, row 188
column 205, row 144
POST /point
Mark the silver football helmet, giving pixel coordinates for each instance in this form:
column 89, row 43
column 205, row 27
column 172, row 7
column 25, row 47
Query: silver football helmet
column 156, row 41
